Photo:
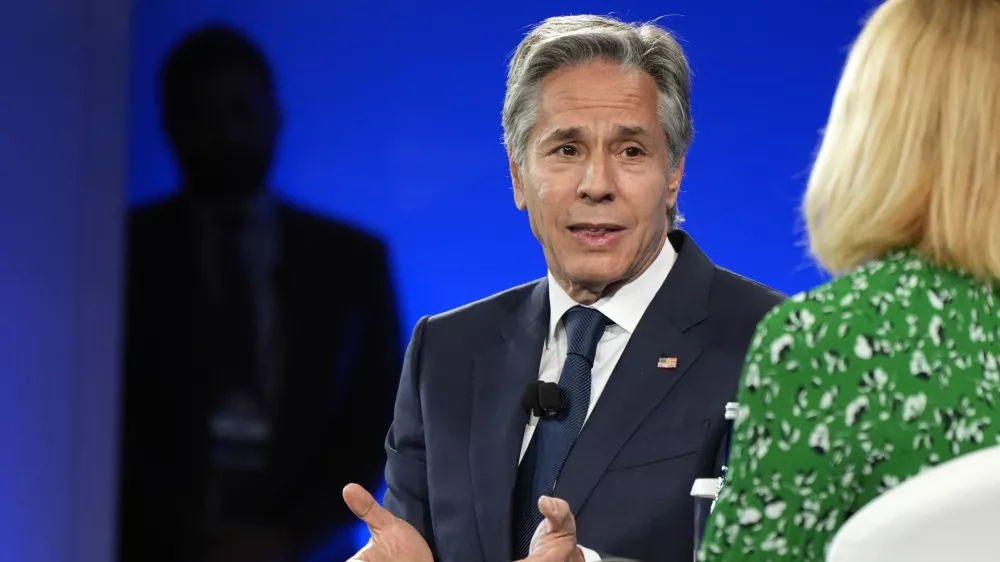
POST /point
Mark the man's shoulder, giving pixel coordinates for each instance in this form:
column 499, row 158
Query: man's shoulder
column 154, row 212
column 740, row 294
column 483, row 310
column 730, row 296
column 736, row 305
column 325, row 228
column 328, row 244
column 154, row 226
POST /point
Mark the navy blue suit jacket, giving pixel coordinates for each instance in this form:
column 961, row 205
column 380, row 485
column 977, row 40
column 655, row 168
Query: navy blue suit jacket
column 455, row 440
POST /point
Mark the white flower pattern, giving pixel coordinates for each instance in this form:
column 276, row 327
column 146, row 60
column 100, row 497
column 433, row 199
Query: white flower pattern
column 849, row 390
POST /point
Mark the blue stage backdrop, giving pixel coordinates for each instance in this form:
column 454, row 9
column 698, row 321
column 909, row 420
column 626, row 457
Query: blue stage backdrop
column 393, row 122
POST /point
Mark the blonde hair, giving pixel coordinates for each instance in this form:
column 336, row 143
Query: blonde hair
column 911, row 153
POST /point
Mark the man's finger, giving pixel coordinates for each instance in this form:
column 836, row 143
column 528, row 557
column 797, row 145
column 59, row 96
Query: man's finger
column 366, row 508
column 558, row 517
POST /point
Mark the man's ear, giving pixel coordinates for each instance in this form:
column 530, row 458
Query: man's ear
column 674, row 182
column 516, row 181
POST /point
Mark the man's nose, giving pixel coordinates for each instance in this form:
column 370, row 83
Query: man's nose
column 598, row 181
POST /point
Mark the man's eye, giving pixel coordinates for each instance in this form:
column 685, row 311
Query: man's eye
column 634, row 152
column 567, row 150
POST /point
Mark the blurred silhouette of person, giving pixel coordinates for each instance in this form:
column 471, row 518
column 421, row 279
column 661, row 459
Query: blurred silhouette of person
column 262, row 342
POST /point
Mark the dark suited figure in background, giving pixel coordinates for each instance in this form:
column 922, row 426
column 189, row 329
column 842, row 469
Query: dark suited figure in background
column 262, row 342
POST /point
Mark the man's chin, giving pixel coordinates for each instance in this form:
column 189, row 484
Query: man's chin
column 596, row 282
column 597, row 269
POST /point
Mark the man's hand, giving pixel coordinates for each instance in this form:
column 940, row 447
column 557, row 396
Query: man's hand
column 393, row 540
column 555, row 539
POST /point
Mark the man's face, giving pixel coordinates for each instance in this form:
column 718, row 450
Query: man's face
column 595, row 178
column 224, row 130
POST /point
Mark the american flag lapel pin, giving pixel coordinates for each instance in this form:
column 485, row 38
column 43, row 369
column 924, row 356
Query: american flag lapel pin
column 666, row 363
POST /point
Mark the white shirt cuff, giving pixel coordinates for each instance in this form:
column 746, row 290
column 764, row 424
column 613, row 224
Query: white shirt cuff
column 589, row 555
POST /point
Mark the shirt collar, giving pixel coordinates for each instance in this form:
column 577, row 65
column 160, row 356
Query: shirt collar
column 625, row 306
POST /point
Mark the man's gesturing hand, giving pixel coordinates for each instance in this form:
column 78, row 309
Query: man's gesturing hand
column 393, row 540
column 555, row 539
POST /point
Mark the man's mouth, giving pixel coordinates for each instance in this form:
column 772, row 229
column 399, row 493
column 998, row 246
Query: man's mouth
column 595, row 228
column 596, row 236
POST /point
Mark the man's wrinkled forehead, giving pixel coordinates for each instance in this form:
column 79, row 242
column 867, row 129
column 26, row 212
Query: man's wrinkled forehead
column 596, row 99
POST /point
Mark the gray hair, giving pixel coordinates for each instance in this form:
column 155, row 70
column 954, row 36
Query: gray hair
column 570, row 40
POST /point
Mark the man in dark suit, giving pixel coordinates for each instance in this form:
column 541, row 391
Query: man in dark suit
column 262, row 342
column 644, row 335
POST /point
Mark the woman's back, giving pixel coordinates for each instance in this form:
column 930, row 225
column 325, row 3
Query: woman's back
column 850, row 389
column 925, row 378
column 862, row 383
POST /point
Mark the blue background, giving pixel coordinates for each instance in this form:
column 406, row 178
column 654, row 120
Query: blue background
column 393, row 122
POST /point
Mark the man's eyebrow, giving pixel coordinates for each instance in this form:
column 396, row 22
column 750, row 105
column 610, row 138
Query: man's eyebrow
column 630, row 130
column 564, row 134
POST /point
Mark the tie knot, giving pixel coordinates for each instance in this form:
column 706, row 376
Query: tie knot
column 584, row 327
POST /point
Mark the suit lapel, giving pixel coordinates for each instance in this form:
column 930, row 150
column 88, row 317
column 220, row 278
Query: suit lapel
column 637, row 386
column 498, row 419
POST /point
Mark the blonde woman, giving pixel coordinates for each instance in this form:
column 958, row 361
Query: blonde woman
column 893, row 367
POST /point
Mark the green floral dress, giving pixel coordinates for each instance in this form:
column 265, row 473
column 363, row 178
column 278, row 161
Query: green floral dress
column 849, row 390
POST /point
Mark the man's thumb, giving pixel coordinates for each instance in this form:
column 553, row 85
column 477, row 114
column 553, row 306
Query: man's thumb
column 366, row 508
column 558, row 517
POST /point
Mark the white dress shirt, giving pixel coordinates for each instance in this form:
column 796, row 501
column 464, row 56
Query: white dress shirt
column 624, row 308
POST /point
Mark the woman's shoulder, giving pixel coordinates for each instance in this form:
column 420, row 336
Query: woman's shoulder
column 838, row 309
column 844, row 300
column 884, row 299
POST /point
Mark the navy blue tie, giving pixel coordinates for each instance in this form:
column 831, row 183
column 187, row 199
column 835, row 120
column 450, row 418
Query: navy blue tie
column 553, row 439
